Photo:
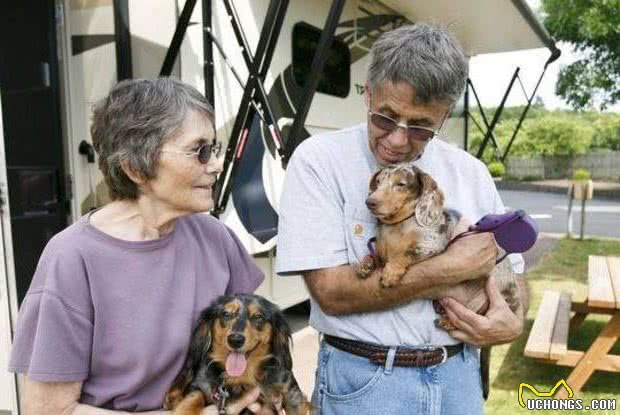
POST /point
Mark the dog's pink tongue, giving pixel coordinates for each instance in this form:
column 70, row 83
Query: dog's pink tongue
column 235, row 364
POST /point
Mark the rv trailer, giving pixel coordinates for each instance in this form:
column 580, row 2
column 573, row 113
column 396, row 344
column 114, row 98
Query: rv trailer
column 277, row 72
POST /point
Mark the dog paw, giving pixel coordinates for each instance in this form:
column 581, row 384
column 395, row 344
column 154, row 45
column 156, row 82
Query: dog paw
column 389, row 279
column 172, row 399
column 444, row 323
column 366, row 267
column 514, row 304
column 511, row 296
column 438, row 308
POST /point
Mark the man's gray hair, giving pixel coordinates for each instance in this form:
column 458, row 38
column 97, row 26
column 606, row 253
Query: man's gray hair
column 425, row 56
column 132, row 124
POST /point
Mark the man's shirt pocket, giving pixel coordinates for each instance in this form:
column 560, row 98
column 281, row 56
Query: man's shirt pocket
column 360, row 226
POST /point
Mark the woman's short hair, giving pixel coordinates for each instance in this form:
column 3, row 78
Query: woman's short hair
column 132, row 124
column 425, row 56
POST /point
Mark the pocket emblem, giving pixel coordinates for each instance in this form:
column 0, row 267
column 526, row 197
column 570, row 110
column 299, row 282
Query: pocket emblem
column 358, row 229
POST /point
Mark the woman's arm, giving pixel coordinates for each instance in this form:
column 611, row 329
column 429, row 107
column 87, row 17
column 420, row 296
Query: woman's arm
column 61, row 398
column 50, row 398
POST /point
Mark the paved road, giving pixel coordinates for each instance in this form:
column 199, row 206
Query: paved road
column 550, row 211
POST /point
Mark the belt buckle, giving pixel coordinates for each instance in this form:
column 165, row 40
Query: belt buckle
column 443, row 349
column 445, row 354
column 431, row 348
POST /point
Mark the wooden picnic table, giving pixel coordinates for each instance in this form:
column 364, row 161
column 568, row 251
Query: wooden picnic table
column 553, row 324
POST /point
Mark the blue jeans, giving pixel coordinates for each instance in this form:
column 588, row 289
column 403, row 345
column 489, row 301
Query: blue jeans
column 346, row 384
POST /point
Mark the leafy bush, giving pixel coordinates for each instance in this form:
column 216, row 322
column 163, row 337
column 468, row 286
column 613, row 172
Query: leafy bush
column 607, row 132
column 581, row 174
column 497, row 169
column 554, row 135
column 548, row 133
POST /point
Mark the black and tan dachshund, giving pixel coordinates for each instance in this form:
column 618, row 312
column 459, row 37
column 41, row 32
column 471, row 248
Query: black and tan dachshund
column 240, row 341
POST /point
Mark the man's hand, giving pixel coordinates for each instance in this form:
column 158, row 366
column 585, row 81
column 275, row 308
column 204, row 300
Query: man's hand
column 499, row 325
column 475, row 255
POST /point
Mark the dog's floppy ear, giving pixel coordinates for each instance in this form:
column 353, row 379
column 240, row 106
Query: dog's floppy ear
column 429, row 208
column 198, row 352
column 281, row 339
column 373, row 181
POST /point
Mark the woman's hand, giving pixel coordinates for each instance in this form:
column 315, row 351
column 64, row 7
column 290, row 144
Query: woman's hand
column 249, row 400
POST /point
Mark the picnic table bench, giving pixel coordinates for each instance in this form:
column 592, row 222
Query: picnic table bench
column 548, row 338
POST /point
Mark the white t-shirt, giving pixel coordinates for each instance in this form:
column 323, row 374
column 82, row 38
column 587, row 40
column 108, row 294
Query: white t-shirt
column 324, row 222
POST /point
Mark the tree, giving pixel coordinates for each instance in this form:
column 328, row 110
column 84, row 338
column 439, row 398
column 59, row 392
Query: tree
column 593, row 28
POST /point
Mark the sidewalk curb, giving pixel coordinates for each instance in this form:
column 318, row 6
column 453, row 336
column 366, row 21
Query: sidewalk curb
column 612, row 194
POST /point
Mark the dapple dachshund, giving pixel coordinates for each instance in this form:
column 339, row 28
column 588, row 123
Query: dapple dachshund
column 413, row 226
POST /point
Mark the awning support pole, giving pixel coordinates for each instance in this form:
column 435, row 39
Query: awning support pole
column 254, row 94
column 207, row 51
column 524, row 114
column 177, row 38
column 496, row 116
column 122, row 35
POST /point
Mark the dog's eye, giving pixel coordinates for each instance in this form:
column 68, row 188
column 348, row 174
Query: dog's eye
column 401, row 184
column 258, row 318
column 227, row 315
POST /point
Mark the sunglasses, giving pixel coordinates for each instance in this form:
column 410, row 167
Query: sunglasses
column 203, row 153
column 414, row 132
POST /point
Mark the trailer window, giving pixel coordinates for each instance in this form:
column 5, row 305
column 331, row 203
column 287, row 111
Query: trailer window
column 336, row 76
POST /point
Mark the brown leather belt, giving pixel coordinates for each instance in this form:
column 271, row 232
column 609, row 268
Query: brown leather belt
column 405, row 356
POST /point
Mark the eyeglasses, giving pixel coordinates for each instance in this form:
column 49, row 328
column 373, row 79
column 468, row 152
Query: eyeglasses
column 414, row 132
column 203, row 153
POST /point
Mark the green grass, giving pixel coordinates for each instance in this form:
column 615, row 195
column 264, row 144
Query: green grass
column 565, row 268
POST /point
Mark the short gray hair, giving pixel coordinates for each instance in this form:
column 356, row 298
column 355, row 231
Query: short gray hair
column 425, row 56
column 132, row 124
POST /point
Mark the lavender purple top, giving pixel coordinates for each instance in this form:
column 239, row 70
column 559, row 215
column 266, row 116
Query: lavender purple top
column 118, row 315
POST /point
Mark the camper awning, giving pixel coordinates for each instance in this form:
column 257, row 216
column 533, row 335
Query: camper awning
column 482, row 26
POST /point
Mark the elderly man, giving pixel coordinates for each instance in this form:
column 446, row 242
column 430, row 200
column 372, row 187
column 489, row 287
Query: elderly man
column 381, row 352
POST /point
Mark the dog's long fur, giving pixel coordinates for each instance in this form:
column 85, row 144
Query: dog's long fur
column 266, row 345
column 413, row 226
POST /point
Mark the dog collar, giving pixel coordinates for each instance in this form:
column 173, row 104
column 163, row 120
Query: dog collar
column 219, row 397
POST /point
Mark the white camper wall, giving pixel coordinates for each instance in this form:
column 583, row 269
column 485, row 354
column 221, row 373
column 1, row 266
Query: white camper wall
column 152, row 25
column 92, row 72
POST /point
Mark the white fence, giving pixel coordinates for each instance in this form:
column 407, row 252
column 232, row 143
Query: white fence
column 601, row 165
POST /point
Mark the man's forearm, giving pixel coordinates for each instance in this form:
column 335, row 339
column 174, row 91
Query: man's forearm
column 339, row 290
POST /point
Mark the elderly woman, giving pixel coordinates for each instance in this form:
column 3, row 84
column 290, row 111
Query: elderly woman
column 108, row 317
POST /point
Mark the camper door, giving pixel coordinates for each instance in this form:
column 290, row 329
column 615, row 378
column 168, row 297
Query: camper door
column 8, row 304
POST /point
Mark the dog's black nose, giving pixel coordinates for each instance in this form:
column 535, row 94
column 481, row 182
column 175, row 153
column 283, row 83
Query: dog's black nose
column 236, row 340
column 371, row 203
